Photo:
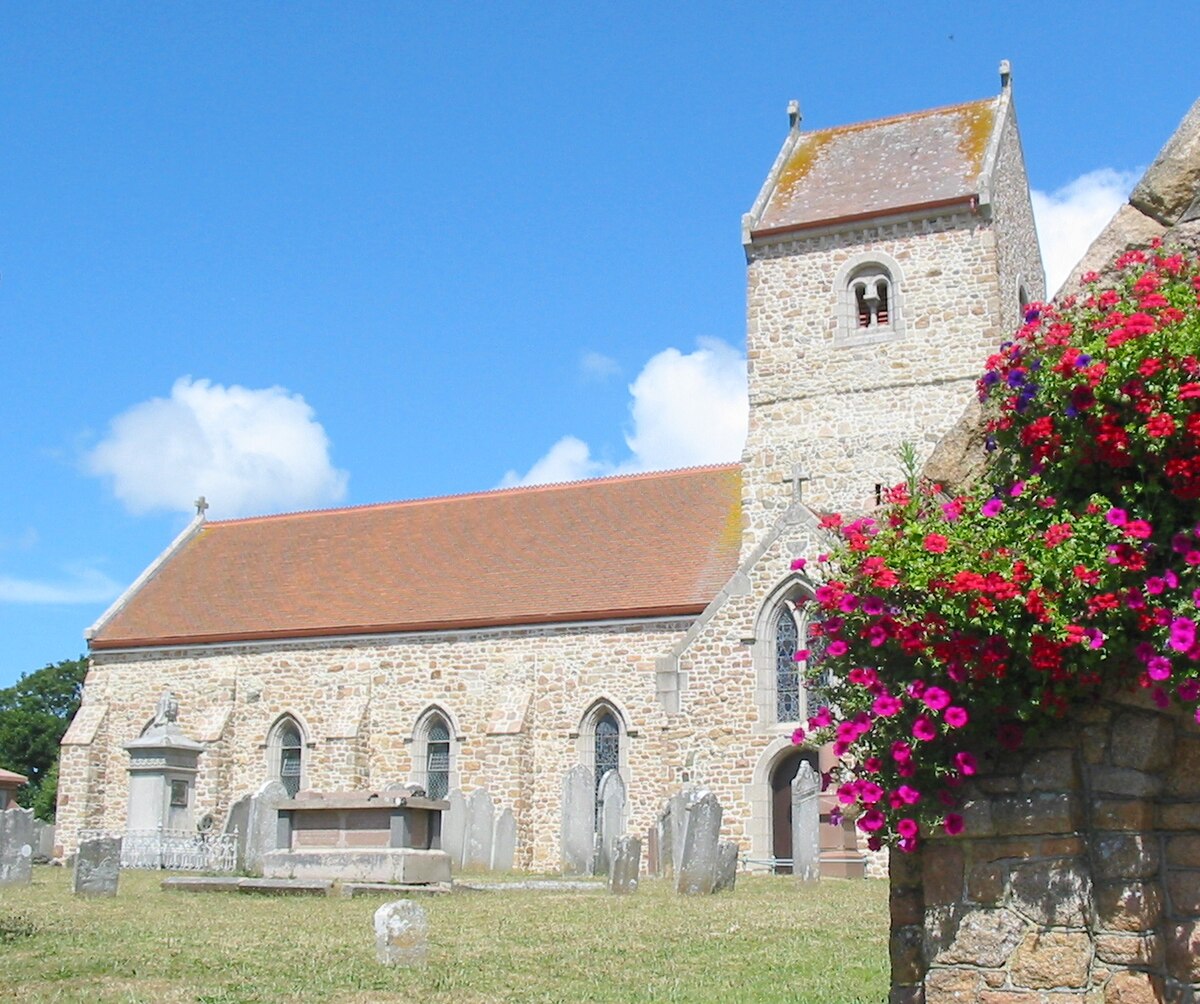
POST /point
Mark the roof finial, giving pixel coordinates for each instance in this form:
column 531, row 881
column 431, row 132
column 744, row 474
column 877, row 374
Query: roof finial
column 1005, row 74
column 794, row 114
column 201, row 504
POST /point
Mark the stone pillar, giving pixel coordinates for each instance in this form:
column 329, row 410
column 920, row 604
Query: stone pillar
column 162, row 774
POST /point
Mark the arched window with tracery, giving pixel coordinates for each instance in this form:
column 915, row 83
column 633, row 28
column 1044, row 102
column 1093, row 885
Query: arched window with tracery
column 286, row 754
column 602, row 743
column 788, row 649
column 434, row 748
column 787, row 669
column 437, row 758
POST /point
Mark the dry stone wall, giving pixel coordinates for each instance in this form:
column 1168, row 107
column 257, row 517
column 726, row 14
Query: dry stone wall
column 1077, row 880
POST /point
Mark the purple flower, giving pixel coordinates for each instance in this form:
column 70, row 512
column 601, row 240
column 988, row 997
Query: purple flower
column 992, row 507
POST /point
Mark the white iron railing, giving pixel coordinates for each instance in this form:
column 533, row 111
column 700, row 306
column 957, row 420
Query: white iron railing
column 174, row 850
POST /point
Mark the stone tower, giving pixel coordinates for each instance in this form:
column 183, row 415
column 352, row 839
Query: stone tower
column 885, row 261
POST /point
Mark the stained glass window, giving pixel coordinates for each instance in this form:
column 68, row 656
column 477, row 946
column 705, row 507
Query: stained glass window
column 608, row 750
column 290, row 757
column 437, row 759
column 787, row 670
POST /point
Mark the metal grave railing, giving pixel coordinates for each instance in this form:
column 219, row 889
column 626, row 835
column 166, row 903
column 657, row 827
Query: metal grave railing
column 174, row 850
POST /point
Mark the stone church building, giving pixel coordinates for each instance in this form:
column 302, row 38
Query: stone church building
column 643, row 624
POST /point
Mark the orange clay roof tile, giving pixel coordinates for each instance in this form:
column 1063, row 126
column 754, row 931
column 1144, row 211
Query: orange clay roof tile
column 871, row 168
column 636, row 546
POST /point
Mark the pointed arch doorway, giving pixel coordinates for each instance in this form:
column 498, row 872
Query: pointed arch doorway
column 782, row 774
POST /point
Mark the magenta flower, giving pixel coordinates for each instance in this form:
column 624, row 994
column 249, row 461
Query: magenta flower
column 901, row 752
column 869, row 792
column 1159, row 668
column 907, row 828
column 924, row 729
column 992, row 507
column 1117, row 517
column 885, row 706
column 966, row 763
column 798, row 564
column 1017, row 489
column 956, row 717
column 798, row 736
column 908, row 795
column 953, row 823
column 1183, row 634
column 873, row 606
column 871, row 821
column 935, row 698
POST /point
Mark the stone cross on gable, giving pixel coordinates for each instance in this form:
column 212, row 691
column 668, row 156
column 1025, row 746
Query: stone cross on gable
column 798, row 479
column 201, row 505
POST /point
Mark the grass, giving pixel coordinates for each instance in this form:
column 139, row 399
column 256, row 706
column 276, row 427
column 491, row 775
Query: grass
column 769, row 940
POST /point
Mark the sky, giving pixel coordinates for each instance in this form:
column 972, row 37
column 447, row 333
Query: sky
column 294, row 256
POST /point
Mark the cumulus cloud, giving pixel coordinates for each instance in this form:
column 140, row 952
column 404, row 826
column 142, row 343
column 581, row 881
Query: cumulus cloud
column 247, row 451
column 79, row 585
column 599, row 367
column 1069, row 219
column 686, row 409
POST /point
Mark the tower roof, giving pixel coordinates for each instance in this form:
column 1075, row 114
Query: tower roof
column 887, row 166
column 639, row 546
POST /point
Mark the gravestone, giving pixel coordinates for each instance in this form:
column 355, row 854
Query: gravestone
column 401, row 934
column 578, row 821
column 238, row 821
column 662, row 828
column 477, row 850
column 697, row 870
column 43, row 842
column 262, row 825
column 97, row 867
column 653, row 861
column 612, row 819
column 16, row 846
column 727, row 861
column 806, row 824
column 454, row 827
column 677, row 806
column 504, row 843
column 626, row 863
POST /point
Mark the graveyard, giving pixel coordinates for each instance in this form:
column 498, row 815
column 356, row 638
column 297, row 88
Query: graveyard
column 770, row 939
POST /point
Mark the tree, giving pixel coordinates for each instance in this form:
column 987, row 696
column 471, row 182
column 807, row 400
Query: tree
column 34, row 714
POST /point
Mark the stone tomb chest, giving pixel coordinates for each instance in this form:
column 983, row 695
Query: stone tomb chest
column 356, row 836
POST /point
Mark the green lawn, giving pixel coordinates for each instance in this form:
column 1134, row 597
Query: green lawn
column 770, row 940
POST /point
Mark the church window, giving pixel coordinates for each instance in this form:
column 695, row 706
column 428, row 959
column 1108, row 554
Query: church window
column 608, row 747
column 869, row 299
column 787, row 669
column 603, row 743
column 434, row 753
column 437, row 759
column 286, row 747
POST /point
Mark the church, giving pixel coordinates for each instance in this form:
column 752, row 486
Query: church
column 643, row 624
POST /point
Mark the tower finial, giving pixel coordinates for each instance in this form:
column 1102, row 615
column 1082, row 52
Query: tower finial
column 1005, row 74
column 794, row 114
column 201, row 505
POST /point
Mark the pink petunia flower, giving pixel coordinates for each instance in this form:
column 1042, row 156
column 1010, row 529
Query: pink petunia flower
column 953, row 823
column 956, row 717
column 924, row 729
column 935, row 698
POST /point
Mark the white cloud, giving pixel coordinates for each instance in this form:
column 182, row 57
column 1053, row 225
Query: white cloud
column 599, row 367
column 247, row 451
column 81, row 585
column 685, row 410
column 1069, row 219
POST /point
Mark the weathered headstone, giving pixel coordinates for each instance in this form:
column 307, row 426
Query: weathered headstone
column 677, row 820
column 611, row 819
column 662, row 826
column 653, row 861
column 504, row 843
column 477, row 852
column 16, row 846
column 577, row 840
column 454, row 827
column 806, row 824
column 401, row 934
column 626, row 863
column 696, row 874
column 238, row 821
column 43, row 842
column 97, row 867
column 727, row 861
column 262, row 825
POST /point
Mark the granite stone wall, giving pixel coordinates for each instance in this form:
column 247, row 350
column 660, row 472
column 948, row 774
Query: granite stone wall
column 1077, row 880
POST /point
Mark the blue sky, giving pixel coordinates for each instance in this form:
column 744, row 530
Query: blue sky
column 302, row 255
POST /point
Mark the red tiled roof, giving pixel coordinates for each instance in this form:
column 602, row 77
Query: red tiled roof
column 888, row 165
column 638, row 546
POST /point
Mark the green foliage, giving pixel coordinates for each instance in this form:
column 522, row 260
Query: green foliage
column 34, row 714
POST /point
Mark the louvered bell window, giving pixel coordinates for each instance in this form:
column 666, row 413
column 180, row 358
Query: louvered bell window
column 290, row 759
column 787, row 670
column 437, row 760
